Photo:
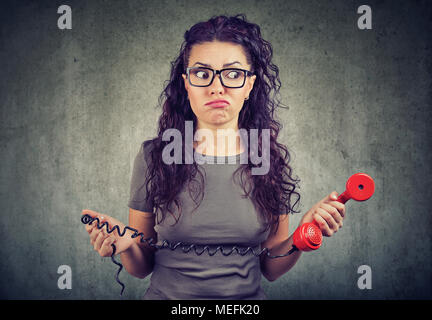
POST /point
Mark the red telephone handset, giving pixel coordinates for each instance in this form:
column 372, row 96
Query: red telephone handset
column 359, row 187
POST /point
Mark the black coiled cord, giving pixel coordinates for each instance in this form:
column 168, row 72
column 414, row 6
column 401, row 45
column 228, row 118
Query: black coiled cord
column 87, row 219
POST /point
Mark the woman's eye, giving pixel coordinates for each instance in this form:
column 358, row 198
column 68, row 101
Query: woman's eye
column 233, row 75
column 201, row 74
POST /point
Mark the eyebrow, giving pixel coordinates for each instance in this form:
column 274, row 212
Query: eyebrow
column 225, row 65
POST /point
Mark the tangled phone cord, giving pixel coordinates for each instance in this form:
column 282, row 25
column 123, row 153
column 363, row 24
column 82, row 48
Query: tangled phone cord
column 87, row 219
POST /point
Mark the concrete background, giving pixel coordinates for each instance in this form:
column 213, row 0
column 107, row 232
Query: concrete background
column 76, row 104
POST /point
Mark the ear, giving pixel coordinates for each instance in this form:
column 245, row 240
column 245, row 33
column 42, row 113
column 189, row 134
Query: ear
column 249, row 84
column 186, row 82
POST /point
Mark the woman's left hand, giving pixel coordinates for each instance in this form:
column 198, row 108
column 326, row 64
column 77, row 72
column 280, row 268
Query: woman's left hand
column 328, row 213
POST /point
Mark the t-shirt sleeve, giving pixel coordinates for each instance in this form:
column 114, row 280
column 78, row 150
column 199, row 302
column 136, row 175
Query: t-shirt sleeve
column 139, row 199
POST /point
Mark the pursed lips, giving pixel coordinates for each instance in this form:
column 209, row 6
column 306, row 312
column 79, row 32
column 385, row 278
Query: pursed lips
column 217, row 103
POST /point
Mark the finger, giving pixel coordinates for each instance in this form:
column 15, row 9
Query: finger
column 99, row 240
column 103, row 224
column 89, row 227
column 331, row 197
column 339, row 206
column 106, row 227
column 333, row 211
column 91, row 213
column 332, row 224
column 98, row 218
column 106, row 248
column 94, row 234
column 324, row 227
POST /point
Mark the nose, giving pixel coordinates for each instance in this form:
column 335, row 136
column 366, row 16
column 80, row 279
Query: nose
column 216, row 87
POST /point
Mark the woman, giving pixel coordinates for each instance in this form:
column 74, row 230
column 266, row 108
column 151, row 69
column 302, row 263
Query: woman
column 223, row 78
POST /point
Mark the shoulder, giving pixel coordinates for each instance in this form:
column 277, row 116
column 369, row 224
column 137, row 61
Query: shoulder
column 143, row 157
column 148, row 144
column 146, row 148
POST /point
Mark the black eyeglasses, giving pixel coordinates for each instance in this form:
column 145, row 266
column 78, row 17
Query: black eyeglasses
column 229, row 77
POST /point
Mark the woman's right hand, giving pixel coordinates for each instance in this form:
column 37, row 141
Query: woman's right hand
column 101, row 240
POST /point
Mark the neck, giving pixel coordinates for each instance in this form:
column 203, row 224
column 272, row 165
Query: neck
column 218, row 141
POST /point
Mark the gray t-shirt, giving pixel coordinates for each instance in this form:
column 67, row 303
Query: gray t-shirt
column 224, row 218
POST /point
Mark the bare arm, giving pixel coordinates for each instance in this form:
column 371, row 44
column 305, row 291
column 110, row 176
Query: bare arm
column 329, row 214
column 278, row 243
column 138, row 259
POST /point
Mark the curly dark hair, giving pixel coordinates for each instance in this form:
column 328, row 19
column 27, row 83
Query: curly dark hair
column 272, row 193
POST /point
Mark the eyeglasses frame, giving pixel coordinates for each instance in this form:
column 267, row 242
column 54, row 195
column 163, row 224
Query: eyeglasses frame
column 218, row 72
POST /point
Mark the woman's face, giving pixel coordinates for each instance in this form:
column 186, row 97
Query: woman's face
column 218, row 55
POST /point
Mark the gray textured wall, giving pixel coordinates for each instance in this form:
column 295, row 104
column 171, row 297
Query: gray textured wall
column 76, row 104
